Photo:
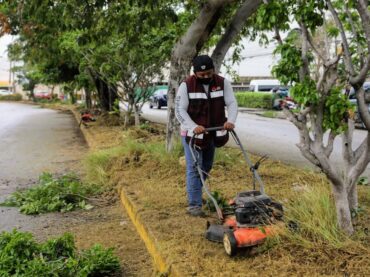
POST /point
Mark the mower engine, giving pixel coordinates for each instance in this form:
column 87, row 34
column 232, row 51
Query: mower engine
column 254, row 209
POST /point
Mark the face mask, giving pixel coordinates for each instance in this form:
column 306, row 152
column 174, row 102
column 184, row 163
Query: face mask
column 205, row 81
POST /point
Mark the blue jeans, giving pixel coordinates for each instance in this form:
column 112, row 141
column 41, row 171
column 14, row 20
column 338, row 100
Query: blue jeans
column 193, row 182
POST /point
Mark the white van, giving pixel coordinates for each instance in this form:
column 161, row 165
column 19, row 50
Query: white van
column 263, row 85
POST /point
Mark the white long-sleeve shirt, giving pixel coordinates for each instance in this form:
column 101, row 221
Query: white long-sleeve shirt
column 182, row 103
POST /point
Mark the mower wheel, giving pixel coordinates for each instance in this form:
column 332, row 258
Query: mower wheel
column 230, row 243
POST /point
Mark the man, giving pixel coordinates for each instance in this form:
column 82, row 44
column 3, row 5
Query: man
column 200, row 104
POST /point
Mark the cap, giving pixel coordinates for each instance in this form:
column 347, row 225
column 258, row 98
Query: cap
column 202, row 62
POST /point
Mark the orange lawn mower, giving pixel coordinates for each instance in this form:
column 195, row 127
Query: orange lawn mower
column 250, row 217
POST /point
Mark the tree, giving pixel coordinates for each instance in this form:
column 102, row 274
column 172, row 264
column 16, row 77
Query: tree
column 132, row 55
column 195, row 39
column 113, row 44
column 41, row 27
column 318, row 76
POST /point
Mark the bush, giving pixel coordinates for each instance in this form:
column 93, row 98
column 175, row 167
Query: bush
column 20, row 255
column 254, row 100
column 51, row 194
column 11, row 97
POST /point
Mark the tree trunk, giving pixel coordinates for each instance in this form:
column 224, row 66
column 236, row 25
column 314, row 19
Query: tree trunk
column 127, row 120
column 52, row 92
column 107, row 95
column 342, row 207
column 353, row 197
column 136, row 115
column 184, row 51
column 179, row 69
column 32, row 96
column 88, row 98
column 73, row 96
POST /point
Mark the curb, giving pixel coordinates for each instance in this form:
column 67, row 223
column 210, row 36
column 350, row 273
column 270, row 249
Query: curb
column 150, row 242
column 88, row 136
column 160, row 264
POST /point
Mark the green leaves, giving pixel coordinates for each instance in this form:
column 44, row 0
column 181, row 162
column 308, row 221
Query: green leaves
column 305, row 93
column 20, row 255
column 287, row 70
column 51, row 194
column 310, row 13
column 97, row 261
column 273, row 14
column 336, row 111
column 221, row 201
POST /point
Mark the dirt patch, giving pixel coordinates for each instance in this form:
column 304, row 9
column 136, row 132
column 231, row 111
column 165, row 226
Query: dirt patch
column 157, row 188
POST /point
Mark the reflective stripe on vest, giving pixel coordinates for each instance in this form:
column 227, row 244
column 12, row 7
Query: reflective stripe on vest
column 218, row 93
column 197, row 95
column 221, row 133
column 190, row 133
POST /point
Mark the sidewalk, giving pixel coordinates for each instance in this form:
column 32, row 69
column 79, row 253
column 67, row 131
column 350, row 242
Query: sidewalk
column 263, row 112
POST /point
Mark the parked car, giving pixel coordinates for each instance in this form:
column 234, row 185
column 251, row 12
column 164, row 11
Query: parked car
column 280, row 91
column 263, row 85
column 43, row 95
column 353, row 100
column 5, row 92
column 159, row 98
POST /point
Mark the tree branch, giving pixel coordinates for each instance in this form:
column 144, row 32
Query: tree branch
column 347, row 54
column 353, row 28
column 304, row 71
column 363, row 107
column 330, row 145
column 237, row 23
column 362, row 8
column 361, row 159
column 347, row 137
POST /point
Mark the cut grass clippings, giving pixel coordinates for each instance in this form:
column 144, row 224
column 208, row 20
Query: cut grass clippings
column 62, row 194
column 155, row 182
column 21, row 255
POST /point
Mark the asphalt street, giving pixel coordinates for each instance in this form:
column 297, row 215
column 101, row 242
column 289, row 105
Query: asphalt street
column 33, row 141
column 274, row 137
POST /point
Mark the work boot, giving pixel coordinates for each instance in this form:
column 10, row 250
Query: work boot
column 195, row 211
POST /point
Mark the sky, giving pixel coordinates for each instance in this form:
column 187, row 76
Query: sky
column 4, row 62
column 257, row 60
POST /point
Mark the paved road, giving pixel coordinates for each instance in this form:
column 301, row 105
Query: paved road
column 33, row 140
column 276, row 138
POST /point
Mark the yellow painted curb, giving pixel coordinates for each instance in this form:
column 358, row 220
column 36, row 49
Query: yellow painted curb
column 159, row 261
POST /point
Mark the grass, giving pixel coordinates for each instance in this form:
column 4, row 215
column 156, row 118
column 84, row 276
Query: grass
column 313, row 210
column 155, row 182
column 99, row 164
column 270, row 114
column 62, row 194
column 11, row 97
column 21, row 255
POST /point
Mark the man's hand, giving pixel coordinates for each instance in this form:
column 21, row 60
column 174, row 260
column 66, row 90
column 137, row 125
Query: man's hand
column 229, row 126
column 199, row 130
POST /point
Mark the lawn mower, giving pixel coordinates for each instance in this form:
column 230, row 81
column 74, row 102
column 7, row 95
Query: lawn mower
column 249, row 219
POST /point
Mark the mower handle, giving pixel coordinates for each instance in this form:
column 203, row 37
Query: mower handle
column 214, row 129
column 252, row 167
